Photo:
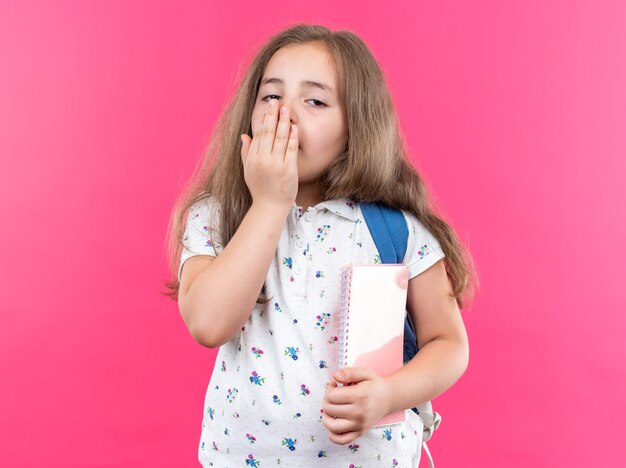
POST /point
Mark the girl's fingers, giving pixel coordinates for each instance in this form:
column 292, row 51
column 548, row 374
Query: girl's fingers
column 337, row 411
column 256, row 137
column 345, row 438
column 282, row 134
column 269, row 129
column 291, row 155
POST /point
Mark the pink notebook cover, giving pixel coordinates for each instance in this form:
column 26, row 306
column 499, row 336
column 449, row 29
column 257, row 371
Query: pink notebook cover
column 371, row 320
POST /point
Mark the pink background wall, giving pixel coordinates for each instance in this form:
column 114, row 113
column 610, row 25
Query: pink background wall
column 515, row 113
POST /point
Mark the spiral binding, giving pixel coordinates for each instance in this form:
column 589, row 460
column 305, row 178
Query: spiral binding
column 346, row 279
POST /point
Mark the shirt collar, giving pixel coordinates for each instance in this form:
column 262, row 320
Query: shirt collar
column 341, row 206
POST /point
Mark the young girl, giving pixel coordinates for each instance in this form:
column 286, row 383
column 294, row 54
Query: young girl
column 310, row 133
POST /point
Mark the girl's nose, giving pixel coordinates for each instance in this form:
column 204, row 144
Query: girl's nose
column 293, row 116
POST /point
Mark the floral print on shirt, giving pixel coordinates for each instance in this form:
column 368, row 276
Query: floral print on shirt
column 263, row 404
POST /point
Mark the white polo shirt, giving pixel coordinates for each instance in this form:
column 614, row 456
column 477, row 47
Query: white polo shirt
column 264, row 399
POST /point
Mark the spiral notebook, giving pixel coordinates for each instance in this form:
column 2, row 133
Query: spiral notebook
column 371, row 320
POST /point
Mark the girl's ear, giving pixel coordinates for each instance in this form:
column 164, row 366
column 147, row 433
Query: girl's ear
column 245, row 146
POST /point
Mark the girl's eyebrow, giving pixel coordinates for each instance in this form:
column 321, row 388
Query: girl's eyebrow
column 306, row 83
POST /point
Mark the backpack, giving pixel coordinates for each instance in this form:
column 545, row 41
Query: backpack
column 390, row 233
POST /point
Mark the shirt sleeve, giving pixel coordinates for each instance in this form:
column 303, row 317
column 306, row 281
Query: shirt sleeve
column 423, row 250
column 201, row 236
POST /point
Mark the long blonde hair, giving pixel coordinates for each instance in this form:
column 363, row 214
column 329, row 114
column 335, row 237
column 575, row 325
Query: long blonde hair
column 373, row 166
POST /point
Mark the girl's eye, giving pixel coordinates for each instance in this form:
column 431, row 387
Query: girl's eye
column 317, row 100
column 269, row 96
column 276, row 96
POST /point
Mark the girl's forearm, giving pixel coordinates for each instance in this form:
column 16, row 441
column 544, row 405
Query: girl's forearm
column 434, row 369
column 222, row 297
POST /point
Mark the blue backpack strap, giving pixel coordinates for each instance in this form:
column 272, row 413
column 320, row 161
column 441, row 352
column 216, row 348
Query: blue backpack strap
column 390, row 233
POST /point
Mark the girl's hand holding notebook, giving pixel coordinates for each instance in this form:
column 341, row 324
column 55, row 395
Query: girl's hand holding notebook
column 350, row 410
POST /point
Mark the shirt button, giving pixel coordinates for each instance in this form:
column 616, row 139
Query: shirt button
column 298, row 270
column 308, row 216
column 300, row 243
